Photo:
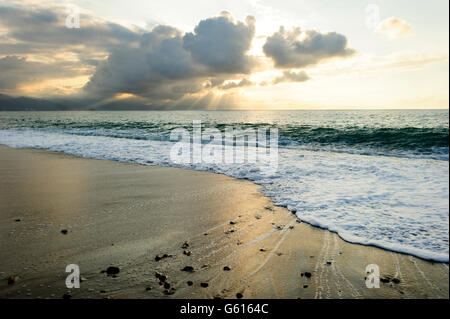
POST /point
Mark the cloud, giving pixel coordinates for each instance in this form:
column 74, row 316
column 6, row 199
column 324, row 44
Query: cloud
column 38, row 30
column 36, row 44
column 233, row 85
column 394, row 28
column 221, row 45
column 167, row 65
column 289, row 76
column 16, row 70
column 301, row 48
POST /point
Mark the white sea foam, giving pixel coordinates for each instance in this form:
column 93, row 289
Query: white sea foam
column 399, row 204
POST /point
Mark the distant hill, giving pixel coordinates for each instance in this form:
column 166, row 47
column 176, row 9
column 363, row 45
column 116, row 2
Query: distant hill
column 10, row 103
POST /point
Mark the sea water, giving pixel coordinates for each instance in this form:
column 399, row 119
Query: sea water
column 374, row 177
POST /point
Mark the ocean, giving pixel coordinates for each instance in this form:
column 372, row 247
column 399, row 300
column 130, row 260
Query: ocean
column 374, row 177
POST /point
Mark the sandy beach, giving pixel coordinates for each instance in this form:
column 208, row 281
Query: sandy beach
column 125, row 215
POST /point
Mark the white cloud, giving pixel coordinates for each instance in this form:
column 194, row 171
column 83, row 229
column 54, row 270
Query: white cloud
column 394, row 28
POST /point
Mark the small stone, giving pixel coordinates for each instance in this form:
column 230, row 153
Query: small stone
column 11, row 279
column 185, row 245
column 189, row 283
column 64, row 231
column 188, row 269
column 167, row 285
column 226, row 268
column 258, row 217
column 328, row 263
column 157, row 258
column 232, row 222
column 395, row 280
column 204, row 284
column 308, row 274
column 385, row 279
column 239, row 295
column 186, row 252
column 102, row 291
column 262, row 249
column 112, row 270
column 17, row 220
column 305, row 286
column 291, row 227
column 148, row 288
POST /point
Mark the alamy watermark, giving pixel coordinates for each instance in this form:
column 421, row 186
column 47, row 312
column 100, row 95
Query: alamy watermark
column 73, row 279
column 373, row 276
column 212, row 147
column 73, row 16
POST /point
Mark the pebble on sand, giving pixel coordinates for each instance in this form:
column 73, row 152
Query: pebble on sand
column 185, row 245
column 188, row 269
column 161, row 277
column 189, row 283
column 308, row 274
column 64, row 231
column 112, row 270
column 204, row 284
column 226, row 268
column 11, row 279
column 239, row 295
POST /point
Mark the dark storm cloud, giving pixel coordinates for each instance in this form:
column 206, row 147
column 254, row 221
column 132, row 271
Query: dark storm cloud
column 161, row 69
column 34, row 29
column 289, row 76
column 42, row 33
column 221, row 44
column 288, row 50
column 169, row 65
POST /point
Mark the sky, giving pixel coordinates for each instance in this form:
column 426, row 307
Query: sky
column 246, row 54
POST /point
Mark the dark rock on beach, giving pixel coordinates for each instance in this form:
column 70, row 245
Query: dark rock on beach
column 188, row 269
column 11, row 279
column 112, row 270
column 204, row 284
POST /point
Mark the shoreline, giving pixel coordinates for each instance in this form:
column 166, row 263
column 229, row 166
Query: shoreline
column 107, row 205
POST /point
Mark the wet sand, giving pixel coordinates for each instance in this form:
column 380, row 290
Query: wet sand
column 124, row 215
